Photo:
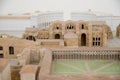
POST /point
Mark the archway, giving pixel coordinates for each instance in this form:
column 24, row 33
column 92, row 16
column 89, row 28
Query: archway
column 57, row 36
column 83, row 39
column 11, row 50
column 31, row 38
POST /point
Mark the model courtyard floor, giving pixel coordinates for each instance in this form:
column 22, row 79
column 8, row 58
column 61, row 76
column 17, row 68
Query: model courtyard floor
column 86, row 67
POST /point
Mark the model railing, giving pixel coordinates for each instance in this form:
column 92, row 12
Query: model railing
column 86, row 54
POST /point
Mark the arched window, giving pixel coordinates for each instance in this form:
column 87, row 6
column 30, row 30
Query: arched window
column 11, row 50
column 31, row 38
column 98, row 43
column 96, row 39
column 99, row 38
column 82, row 26
column 70, row 27
column 57, row 36
column 57, row 27
column 1, row 48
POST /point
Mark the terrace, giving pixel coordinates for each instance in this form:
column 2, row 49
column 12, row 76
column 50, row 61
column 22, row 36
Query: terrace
column 77, row 69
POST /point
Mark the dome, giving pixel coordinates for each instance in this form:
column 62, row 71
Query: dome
column 70, row 35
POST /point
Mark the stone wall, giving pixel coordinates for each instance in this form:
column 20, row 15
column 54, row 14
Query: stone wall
column 17, row 44
column 5, row 69
column 54, row 54
column 85, row 31
column 29, row 72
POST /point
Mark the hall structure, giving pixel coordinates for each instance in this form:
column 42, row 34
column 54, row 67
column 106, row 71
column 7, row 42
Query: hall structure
column 73, row 33
column 32, row 57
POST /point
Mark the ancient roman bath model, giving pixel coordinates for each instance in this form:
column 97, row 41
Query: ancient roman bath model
column 66, row 50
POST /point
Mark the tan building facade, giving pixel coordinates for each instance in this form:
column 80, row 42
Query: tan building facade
column 62, row 41
column 10, row 47
column 80, row 33
column 28, row 72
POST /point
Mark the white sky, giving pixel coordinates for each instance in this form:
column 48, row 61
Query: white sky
column 67, row 6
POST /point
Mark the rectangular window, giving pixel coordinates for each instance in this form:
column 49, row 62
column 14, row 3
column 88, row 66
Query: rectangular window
column 1, row 55
column 98, row 43
column 1, row 48
column 93, row 44
column 11, row 50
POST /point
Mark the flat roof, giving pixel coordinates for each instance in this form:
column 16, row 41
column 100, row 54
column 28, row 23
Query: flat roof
column 29, row 69
column 15, row 17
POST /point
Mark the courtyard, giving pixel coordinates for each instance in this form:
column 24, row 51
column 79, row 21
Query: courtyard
column 84, row 67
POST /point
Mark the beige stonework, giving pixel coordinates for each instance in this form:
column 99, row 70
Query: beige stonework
column 63, row 40
column 89, row 33
column 71, row 39
column 29, row 72
column 16, row 44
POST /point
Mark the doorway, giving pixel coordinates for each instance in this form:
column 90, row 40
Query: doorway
column 1, row 56
column 57, row 36
column 83, row 39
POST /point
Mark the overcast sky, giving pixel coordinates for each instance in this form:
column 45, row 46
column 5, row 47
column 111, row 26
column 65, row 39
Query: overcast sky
column 67, row 6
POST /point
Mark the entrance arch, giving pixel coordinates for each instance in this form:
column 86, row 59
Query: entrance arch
column 83, row 39
column 57, row 36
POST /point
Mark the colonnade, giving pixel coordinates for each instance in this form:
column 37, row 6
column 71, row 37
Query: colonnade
column 85, row 55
